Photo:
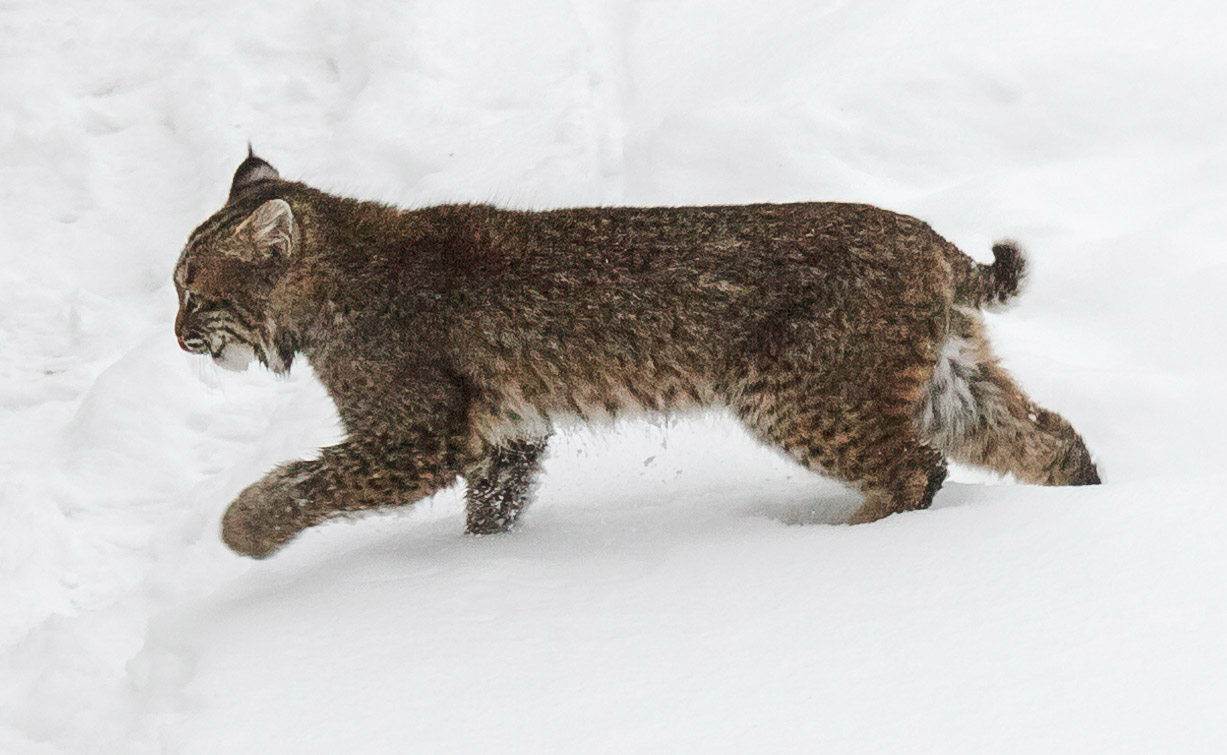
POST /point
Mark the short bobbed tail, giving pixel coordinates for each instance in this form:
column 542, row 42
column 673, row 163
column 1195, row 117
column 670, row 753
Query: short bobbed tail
column 991, row 286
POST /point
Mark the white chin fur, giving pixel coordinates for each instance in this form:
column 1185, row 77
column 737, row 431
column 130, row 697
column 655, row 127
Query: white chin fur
column 235, row 357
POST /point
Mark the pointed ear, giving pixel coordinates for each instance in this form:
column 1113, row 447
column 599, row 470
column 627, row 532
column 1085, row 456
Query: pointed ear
column 270, row 229
column 251, row 170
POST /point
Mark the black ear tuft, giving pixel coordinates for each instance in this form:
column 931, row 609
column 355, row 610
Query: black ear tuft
column 250, row 171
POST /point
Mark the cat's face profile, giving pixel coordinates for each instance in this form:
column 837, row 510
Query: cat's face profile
column 226, row 276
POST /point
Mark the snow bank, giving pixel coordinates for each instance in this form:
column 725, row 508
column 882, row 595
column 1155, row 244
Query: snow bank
column 675, row 587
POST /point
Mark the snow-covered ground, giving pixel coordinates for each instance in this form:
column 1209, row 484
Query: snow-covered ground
column 675, row 588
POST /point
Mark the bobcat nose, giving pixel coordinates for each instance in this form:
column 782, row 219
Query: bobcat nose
column 191, row 346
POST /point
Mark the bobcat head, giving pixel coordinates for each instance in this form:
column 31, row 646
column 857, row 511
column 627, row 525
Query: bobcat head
column 229, row 271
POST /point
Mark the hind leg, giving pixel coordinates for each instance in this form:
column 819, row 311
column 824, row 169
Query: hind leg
column 1013, row 435
column 975, row 412
column 500, row 483
column 870, row 443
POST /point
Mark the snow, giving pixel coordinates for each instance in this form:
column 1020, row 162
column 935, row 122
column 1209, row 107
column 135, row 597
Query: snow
column 675, row 587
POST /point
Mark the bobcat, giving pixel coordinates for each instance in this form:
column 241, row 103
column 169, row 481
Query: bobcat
column 453, row 338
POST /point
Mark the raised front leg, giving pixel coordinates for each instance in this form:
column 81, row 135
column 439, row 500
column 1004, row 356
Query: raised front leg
column 500, row 483
column 360, row 474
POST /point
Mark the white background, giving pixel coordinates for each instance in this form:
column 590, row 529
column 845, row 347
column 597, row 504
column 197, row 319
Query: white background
column 675, row 588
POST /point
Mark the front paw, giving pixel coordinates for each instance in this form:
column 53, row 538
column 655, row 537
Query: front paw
column 264, row 517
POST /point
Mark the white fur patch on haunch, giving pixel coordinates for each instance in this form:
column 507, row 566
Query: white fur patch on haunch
column 948, row 407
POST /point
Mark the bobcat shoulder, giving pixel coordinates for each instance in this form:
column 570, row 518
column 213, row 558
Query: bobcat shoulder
column 454, row 338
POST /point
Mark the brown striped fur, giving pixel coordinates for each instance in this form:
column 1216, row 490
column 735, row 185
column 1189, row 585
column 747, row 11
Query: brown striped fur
column 454, row 338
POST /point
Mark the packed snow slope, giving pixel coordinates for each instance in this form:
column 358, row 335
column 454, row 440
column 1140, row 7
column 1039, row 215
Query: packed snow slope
column 675, row 588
